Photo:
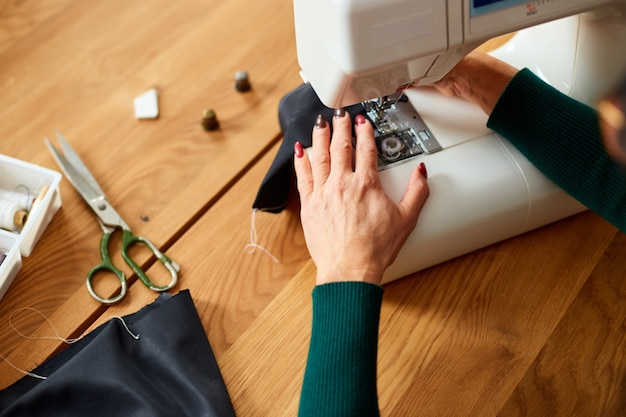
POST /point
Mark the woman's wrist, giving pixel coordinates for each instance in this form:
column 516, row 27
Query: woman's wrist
column 365, row 274
column 486, row 78
column 478, row 78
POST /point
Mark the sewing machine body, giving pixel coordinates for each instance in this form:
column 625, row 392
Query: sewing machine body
column 355, row 50
column 482, row 189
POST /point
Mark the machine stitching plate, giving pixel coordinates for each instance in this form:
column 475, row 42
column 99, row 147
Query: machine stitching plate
column 400, row 132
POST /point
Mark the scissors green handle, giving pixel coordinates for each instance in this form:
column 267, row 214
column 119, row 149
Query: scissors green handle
column 128, row 240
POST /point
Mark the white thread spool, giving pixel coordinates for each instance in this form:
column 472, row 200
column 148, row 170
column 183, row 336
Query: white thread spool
column 22, row 199
column 12, row 216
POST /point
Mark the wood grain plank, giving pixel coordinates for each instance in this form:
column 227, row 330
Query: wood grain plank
column 79, row 73
column 264, row 368
column 454, row 339
column 18, row 18
column 582, row 368
column 495, row 321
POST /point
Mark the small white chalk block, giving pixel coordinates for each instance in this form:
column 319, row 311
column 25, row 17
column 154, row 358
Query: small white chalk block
column 147, row 105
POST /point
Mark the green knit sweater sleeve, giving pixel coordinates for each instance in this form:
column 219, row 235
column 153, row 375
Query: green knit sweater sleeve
column 340, row 375
column 561, row 137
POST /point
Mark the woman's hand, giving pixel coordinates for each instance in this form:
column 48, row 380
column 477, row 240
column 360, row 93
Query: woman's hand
column 478, row 78
column 353, row 230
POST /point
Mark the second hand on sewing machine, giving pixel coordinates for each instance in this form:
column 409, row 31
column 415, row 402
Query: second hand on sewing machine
column 82, row 180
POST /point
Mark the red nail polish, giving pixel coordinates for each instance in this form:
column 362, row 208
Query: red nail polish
column 298, row 149
column 320, row 122
column 359, row 119
column 422, row 169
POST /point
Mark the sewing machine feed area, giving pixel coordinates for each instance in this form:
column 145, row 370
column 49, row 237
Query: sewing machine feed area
column 400, row 132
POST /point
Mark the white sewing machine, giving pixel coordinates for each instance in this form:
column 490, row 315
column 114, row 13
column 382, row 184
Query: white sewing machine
column 482, row 189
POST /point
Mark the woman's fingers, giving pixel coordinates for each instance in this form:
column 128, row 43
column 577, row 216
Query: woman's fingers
column 366, row 158
column 304, row 175
column 341, row 150
column 320, row 152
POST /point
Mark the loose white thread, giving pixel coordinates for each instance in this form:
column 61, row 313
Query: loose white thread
column 21, row 370
column 252, row 246
column 135, row 336
column 54, row 329
column 55, row 337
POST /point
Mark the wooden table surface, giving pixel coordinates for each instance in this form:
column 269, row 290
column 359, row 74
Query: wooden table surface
column 531, row 326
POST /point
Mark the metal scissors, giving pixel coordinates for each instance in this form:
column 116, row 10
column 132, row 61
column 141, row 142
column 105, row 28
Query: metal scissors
column 84, row 182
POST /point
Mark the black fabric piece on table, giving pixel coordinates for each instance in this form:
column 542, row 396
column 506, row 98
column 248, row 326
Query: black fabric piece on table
column 296, row 113
column 169, row 371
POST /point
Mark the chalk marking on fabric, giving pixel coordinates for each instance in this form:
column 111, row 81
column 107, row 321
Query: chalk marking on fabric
column 253, row 245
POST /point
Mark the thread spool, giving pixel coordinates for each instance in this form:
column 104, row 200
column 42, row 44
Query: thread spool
column 12, row 216
column 20, row 198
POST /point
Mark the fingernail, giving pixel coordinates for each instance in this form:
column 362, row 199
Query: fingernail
column 359, row 119
column 298, row 149
column 340, row 113
column 422, row 169
column 320, row 121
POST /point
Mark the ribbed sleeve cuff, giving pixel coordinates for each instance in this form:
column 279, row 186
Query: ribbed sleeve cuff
column 340, row 377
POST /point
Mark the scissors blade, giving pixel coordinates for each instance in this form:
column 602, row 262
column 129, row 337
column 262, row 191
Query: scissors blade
column 76, row 178
column 79, row 165
column 84, row 182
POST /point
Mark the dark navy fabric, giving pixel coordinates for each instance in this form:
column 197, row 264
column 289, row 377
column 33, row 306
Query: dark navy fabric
column 169, row 371
column 296, row 113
